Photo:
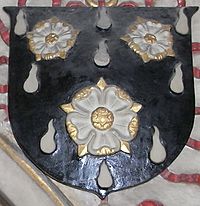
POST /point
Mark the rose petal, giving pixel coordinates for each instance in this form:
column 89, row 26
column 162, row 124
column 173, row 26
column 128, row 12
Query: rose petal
column 45, row 29
column 37, row 39
column 136, row 34
column 95, row 97
column 89, row 103
column 103, row 140
column 144, row 46
column 88, row 135
column 122, row 134
column 164, row 44
column 112, row 101
column 112, row 141
column 50, row 49
column 138, row 40
column 153, row 28
column 61, row 45
column 39, row 46
column 36, row 35
column 163, row 35
column 123, row 117
column 65, row 37
column 156, row 49
column 141, row 30
column 83, row 125
column 85, row 135
column 57, row 28
column 109, row 96
column 65, row 31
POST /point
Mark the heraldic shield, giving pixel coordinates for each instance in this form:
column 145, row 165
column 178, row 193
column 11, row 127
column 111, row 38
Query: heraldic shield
column 108, row 86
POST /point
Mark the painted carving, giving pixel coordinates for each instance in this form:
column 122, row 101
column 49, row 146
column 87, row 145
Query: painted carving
column 51, row 38
column 150, row 39
column 102, row 119
column 95, row 3
column 99, row 123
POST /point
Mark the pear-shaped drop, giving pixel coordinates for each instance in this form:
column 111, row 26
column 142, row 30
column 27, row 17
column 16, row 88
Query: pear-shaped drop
column 21, row 24
column 104, row 21
column 31, row 83
column 102, row 58
column 176, row 84
column 182, row 23
column 47, row 142
column 104, row 179
column 158, row 152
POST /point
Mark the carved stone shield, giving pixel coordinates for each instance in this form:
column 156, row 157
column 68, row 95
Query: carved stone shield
column 115, row 85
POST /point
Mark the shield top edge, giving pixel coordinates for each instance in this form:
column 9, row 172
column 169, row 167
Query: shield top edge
column 59, row 7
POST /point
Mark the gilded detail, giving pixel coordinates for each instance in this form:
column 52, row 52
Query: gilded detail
column 71, row 128
column 105, row 151
column 51, row 38
column 101, row 84
column 102, row 118
column 150, row 38
column 94, row 3
column 67, row 108
column 133, row 126
column 83, row 93
column 136, row 107
column 125, row 147
column 122, row 94
column 82, row 150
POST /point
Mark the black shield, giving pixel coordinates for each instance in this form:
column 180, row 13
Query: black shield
column 59, row 79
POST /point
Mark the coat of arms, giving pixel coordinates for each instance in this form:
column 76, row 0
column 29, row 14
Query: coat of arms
column 114, row 84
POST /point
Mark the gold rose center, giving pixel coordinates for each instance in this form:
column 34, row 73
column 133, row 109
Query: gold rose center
column 150, row 38
column 102, row 118
column 51, row 38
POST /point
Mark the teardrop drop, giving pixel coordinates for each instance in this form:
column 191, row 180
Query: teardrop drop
column 104, row 179
column 47, row 142
column 158, row 152
column 21, row 24
column 102, row 58
column 104, row 21
column 176, row 84
column 31, row 84
column 182, row 23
